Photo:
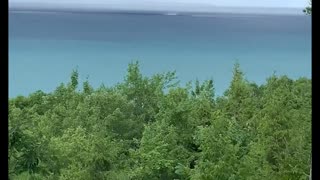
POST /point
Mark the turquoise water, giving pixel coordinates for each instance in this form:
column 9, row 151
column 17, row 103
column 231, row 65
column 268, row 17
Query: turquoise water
column 45, row 47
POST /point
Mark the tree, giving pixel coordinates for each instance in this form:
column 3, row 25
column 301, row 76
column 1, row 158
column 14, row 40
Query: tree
column 149, row 127
column 308, row 10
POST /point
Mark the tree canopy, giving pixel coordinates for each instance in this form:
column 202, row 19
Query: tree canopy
column 308, row 9
column 150, row 128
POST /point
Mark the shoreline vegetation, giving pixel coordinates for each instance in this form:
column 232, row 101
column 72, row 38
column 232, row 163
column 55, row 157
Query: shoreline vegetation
column 149, row 128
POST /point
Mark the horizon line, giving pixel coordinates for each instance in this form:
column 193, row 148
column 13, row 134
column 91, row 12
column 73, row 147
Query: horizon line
column 214, row 9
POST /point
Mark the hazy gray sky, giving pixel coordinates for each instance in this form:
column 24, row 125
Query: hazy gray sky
column 145, row 4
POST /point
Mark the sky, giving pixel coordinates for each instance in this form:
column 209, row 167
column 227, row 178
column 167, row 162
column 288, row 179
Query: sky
column 158, row 4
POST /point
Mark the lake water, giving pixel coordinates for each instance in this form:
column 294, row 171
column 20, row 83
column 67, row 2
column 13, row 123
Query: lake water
column 45, row 47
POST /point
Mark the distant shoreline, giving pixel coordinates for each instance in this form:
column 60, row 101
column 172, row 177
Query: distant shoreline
column 151, row 13
column 236, row 11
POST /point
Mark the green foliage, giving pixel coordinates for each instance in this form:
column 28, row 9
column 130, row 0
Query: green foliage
column 308, row 10
column 149, row 128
